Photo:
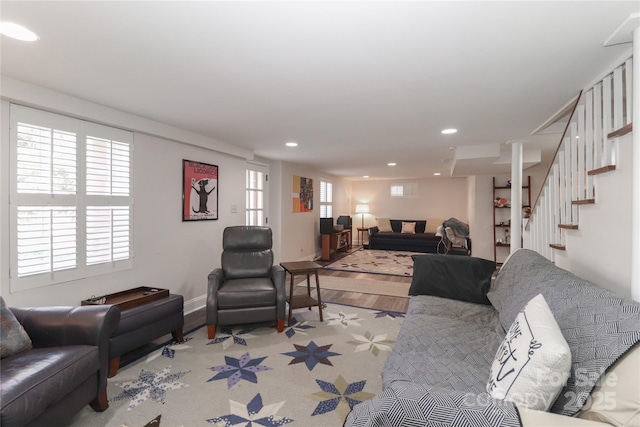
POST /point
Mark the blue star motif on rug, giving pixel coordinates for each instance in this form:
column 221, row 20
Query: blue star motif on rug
column 339, row 396
column 150, row 386
column 298, row 327
column 252, row 413
column 311, row 355
column 232, row 338
column 244, row 368
column 392, row 314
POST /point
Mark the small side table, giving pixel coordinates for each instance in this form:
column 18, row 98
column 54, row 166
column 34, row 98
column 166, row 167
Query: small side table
column 300, row 301
column 361, row 233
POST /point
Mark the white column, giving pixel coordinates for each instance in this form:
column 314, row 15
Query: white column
column 516, row 195
column 635, row 207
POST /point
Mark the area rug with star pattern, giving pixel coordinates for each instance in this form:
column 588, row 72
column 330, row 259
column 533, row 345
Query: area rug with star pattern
column 374, row 261
column 311, row 374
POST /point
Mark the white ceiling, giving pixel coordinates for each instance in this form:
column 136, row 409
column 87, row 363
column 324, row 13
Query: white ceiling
column 356, row 84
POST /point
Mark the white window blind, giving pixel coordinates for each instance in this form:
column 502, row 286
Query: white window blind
column 70, row 199
column 326, row 199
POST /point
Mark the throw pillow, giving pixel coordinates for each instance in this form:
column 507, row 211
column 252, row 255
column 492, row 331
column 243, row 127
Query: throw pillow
column 408, row 228
column 463, row 278
column 384, row 225
column 534, row 360
column 433, row 224
column 13, row 337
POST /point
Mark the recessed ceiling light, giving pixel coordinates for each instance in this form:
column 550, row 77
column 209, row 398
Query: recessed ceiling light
column 291, row 144
column 365, row 176
column 18, row 32
column 436, row 173
column 391, row 164
column 449, row 131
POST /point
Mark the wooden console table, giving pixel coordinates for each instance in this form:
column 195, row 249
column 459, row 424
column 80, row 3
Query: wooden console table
column 334, row 242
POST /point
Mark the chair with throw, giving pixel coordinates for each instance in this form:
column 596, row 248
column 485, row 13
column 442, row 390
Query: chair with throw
column 247, row 288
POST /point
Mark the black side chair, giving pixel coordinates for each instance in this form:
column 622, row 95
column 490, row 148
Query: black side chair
column 248, row 288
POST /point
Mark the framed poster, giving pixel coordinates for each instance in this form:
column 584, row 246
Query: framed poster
column 199, row 191
column 302, row 195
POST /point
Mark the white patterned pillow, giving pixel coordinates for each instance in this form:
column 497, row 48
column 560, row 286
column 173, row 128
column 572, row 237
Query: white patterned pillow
column 533, row 362
column 408, row 228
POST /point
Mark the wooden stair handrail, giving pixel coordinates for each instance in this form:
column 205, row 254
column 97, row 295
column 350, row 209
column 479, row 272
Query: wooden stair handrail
column 564, row 133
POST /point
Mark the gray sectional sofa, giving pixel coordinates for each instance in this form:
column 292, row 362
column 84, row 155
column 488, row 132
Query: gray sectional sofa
column 438, row 370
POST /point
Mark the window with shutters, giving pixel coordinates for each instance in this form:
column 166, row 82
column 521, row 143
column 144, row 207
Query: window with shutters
column 71, row 201
column 326, row 199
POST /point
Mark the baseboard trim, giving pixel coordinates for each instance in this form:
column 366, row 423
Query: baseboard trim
column 195, row 304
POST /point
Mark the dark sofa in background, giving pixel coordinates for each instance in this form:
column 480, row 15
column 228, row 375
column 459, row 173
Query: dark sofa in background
column 397, row 241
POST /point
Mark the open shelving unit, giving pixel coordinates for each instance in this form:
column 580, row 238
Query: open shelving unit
column 502, row 217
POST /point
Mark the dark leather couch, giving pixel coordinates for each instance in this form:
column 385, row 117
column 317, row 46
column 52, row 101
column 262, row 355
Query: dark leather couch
column 397, row 241
column 65, row 370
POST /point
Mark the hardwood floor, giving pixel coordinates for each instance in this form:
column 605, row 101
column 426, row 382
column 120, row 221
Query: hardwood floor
column 380, row 302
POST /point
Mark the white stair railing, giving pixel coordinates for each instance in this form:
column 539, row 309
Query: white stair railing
column 587, row 148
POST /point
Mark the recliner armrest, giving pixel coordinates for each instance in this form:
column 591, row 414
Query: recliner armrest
column 278, row 276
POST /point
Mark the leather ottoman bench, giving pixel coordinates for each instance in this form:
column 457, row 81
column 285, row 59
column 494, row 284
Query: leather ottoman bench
column 144, row 323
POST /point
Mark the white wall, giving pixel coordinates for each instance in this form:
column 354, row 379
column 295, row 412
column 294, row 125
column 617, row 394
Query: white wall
column 299, row 232
column 440, row 198
column 168, row 253
column 600, row 250
column 480, row 195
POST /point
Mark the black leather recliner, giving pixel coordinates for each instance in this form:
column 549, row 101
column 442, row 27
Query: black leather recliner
column 247, row 288
column 64, row 371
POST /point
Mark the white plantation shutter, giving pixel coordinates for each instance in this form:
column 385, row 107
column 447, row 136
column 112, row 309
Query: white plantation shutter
column 70, row 199
column 107, row 234
column 326, row 199
column 46, row 239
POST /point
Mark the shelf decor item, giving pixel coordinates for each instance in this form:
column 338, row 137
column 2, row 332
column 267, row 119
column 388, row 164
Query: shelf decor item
column 199, row 191
column 502, row 213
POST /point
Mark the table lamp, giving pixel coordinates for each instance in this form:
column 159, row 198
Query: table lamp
column 362, row 209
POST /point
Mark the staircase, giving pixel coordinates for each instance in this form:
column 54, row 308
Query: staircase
column 592, row 165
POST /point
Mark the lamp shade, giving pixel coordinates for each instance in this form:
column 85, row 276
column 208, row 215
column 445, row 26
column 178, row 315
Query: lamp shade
column 362, row 208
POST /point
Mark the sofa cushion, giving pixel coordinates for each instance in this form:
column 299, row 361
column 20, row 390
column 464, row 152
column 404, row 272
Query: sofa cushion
column 432, row 225
column 396, row 225
column 533, row 361
column 599, row 325
column 408, row 228
column 13, row 337
column 384, row 225
column 243, row 293
column 461, row 278
column 616, row 398
column 36, row 379
column 444, row 343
